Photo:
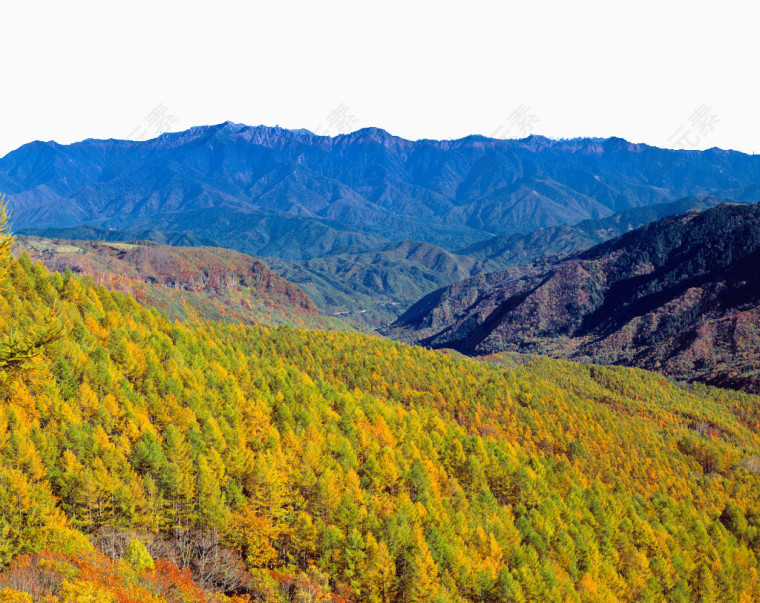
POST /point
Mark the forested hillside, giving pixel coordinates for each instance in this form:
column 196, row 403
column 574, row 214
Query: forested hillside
column 145, row 460
column 183, row 282
column 524, row 248
column 376, row 287
column 111, row 235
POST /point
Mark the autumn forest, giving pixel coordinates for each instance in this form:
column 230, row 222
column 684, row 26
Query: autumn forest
column 148, row 459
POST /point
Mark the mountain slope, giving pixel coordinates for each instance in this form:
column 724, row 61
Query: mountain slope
column 269, row 191
column 681, row 295
column 375, row 287
column 93, row 233
column 284, row 464
column 184, row 282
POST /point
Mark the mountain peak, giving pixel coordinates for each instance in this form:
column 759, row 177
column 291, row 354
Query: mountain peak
column 371, row 134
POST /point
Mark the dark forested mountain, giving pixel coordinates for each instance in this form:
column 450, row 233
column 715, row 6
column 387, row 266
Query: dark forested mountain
column 293, row 194
column 680, row 296
column 524, row 248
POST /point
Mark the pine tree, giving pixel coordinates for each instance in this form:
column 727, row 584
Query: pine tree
column 16, row 349
column 421, row 579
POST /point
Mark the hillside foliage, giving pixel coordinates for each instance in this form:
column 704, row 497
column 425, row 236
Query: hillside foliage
column 184, row 283
column 148, row 460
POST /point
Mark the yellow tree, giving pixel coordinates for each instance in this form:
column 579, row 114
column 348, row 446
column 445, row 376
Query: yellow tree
column 252, row 534
column 379, row 581
column 422, row 572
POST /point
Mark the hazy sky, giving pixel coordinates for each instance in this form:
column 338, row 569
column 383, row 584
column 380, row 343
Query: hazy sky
column 668, row 73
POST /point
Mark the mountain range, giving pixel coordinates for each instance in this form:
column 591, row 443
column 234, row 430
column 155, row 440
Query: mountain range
column 368, row 223
column 375, row 287
column 296, row 195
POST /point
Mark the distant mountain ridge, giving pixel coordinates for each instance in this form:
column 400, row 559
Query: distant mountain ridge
column 93, row 233
column 296, row 195
column 681, row 295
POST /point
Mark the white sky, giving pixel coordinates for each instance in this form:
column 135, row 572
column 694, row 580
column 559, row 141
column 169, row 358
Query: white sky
column 639, row 70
